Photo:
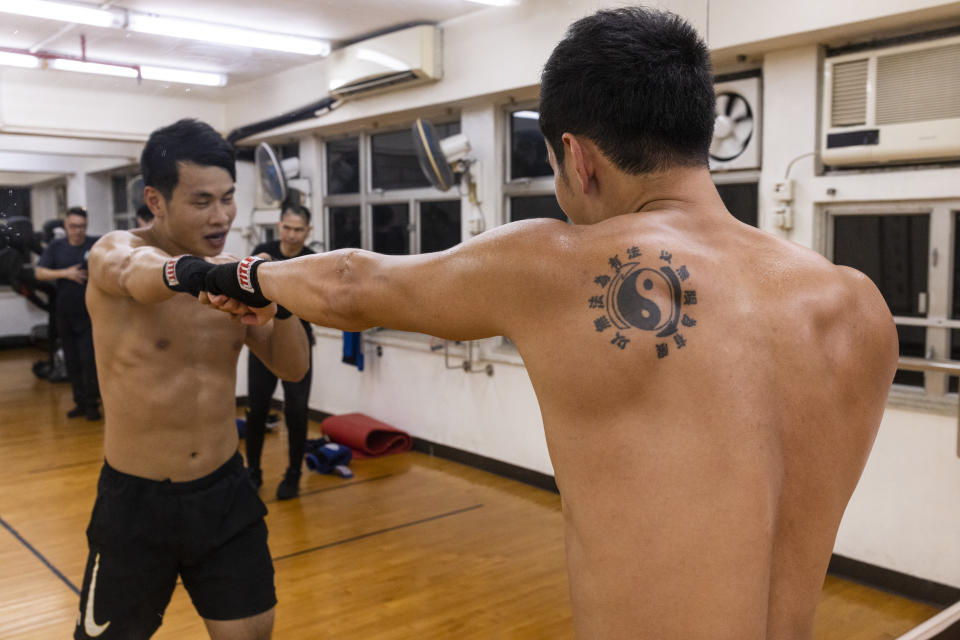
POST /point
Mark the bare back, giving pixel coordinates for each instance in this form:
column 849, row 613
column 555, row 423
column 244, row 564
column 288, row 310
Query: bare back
column 168, row 380
column 710, row 395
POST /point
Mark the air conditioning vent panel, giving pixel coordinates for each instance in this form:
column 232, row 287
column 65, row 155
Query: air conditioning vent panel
column 393, row 60
column 849, row 93
column 897, row 104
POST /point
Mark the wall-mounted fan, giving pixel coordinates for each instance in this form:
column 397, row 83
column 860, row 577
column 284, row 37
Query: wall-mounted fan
column 440, row 159
column 736, row 132
column 445, row 163
column 274, row 178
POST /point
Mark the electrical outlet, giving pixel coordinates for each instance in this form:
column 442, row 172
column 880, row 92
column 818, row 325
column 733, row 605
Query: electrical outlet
column 783, row 217
column 783, row 191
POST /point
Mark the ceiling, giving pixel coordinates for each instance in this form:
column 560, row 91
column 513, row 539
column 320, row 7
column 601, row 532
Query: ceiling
column 336, row 20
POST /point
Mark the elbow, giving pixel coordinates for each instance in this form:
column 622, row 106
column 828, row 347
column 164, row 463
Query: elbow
column 349, row 291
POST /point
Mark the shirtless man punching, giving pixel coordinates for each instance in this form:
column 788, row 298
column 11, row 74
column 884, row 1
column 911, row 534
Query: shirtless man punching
column 709, row 392
column 174, row 499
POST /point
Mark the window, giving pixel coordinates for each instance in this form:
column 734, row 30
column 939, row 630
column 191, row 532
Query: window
column 528, row 149
column 892, row 251
column 527, row 207
column 440, row 224
column 529, row 188
column 911, row 253
column 377, row 197
column 391, row 229
column 740, row 199
column 345, row 228
column 394, row 158
column 124, row 216
column 343, row 166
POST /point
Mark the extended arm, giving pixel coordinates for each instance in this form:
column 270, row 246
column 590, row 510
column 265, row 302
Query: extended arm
column 121, row 265
column 481, row 288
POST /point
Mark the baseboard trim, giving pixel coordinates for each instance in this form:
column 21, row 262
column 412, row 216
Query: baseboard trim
column 901, row 584
column 490, row 465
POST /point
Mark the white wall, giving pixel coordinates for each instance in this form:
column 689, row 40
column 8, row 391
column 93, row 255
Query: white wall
column 36, row 102
column 739, row 22
column 904, row 515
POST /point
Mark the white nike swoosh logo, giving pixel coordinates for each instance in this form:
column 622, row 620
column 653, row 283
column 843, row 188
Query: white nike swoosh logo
column 89, row 624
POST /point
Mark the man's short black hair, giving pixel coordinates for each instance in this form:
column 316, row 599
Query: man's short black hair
column 297, row 209
column 77, row 211
column 144, row 213
column 635, row 81
column 187, row 141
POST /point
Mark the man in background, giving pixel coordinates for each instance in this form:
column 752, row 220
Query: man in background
column 144, row 217
column 65, row 261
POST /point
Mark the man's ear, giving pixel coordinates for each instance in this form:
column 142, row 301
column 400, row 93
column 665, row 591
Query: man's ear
column 582, row 161
column 155, row 201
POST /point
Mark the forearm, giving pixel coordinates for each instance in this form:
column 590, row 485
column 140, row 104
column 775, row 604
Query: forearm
column 42, row 273
column 140, row 275
column 322, row 289
column 283, row 347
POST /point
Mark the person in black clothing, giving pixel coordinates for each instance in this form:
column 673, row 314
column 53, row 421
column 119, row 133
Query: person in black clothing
column 144, row 217
column 293, row 228
column 65, row 260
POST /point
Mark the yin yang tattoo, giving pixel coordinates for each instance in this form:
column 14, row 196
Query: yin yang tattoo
column 647, row 295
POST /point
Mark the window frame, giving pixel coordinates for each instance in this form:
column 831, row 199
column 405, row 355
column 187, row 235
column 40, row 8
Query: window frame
column 369, row 197
column 519, row 187
column 939, row 289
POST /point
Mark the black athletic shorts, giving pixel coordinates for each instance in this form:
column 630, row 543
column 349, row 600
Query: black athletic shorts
column 143, row 534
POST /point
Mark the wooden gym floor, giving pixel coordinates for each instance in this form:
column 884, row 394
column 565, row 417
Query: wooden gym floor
column 412, row 547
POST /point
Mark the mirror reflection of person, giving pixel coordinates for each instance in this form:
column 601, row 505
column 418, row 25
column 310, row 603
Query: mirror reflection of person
column 710, row 392
column 293, row 229
column 174, row 501
column 65, row 261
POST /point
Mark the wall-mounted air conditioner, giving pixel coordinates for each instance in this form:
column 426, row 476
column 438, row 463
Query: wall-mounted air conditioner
column 896, row 104
column 394, row 60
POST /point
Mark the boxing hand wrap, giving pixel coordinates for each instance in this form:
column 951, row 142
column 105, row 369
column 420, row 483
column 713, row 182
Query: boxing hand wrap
column 237, row 280
column 186, row 274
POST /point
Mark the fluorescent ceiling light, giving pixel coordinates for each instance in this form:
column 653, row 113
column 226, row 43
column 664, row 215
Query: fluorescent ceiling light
column 529, row 115
column 61, row 11
column 161, row 74
column 186, row 77
column 18, row 60
column 209, row 32
column 61, row 64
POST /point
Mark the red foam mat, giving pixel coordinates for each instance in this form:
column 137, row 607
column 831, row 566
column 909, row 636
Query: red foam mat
column 365, row 435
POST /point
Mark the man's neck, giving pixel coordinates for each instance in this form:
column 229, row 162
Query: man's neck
column 290, row 250
column 683, row 189
column 157, row 236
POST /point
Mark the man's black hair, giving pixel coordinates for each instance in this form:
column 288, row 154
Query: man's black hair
column 635, row 81
column 144, row 213
column 298, row 209
column 184, row 141
column 77, row 211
